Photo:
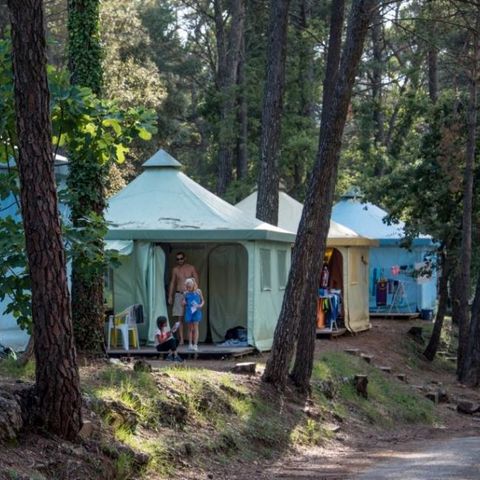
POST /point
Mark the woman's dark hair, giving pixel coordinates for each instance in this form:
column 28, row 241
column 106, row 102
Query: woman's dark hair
column 161, row 321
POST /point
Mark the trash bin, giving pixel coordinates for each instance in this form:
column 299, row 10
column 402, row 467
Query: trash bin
column 426, row 314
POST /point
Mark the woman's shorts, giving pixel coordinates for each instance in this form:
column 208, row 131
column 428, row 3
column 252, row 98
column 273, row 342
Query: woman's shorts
column 177, row 309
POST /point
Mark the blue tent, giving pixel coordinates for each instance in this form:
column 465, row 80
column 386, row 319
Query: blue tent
column 399, row 282
column 11, row 334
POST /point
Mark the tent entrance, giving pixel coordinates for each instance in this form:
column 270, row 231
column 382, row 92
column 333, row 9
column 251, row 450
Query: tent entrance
column 330, row 302
column 223, row 279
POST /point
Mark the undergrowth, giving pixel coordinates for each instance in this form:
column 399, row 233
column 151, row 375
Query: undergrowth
column 196, row 417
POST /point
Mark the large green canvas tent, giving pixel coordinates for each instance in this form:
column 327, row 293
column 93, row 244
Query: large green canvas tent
column 350, row 257
column 242, row 263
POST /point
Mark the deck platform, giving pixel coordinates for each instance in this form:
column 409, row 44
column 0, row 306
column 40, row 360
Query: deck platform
column 204, row 351
column 395, row 315
column 329, row 333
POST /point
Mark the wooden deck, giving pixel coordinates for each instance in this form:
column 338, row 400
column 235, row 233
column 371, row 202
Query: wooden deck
column 395, row 315
column 327, row 332
column 204, row 351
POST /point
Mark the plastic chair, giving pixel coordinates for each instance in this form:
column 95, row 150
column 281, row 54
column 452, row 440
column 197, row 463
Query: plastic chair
column 125, row 323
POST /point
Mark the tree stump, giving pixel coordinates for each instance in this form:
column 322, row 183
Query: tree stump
column 360, row 383
column 386, row 369
column 402, row 377
column 464, row 406
column 248, row 368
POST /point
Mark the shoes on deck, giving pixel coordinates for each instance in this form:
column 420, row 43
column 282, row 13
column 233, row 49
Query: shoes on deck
column 195, row 348
column 170, row 357
column 178, row 359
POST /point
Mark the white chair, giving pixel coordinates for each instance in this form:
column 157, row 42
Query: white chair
column 125, row 323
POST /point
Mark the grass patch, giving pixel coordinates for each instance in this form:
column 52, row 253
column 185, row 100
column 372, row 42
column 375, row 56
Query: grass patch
column 389, row 401
column 11, row 368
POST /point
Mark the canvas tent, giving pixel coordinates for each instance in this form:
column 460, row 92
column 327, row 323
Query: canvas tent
column 242, row 262
column 11, row 334
column 349, row 257
column 390, row 264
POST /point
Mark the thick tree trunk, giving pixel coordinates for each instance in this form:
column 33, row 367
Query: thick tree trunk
column 227, row 80
column 471, row 368
column 86, row 181
column 467, row 335
column 313, row 230
column 434, row 341
column 57, row 392
column 302, row 369
column 267, row 199
column 466, row 247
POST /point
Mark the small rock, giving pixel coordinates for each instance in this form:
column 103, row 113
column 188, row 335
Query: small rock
column 465, row 406
column 416, row 334
column 443, row 396
column 245, row 367
column 367, row 358
column 433, row 396
column 352, row 351
column 114, row 361
column 142, row 366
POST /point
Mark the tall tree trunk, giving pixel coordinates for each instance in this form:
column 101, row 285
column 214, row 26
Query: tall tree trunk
column 432, row 74
column 377, row 78
column 466, row 345
column 227, row 80
column 267, row 197
column 57, row 391
column 434, row 341
column 466, row 248
column 242, row 154
column 313, row 230
column 302, row 369
column 471, row 368
column 86, row 181
column 305, row 79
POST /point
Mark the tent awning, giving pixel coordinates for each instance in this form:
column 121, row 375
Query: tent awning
column 202, row 235
column 123, row 247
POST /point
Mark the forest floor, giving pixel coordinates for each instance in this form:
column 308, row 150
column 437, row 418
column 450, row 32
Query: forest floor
column 199, row 421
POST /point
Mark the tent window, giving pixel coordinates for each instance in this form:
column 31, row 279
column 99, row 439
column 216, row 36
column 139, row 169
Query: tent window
column 265, row 269
column 282, row 269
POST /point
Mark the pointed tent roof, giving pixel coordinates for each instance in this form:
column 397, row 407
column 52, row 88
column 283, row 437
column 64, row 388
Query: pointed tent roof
column 367, row 219
column 164, row 204
column 290, row 213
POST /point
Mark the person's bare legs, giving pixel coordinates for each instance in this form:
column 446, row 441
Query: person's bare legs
column 195, row 333
column 180, row 330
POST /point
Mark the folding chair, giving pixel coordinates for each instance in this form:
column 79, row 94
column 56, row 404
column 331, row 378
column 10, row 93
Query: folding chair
column 126, row 323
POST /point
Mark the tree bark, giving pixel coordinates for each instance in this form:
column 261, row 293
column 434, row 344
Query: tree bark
column 313, row 230
column 377, row 76
column 467, row 346
column 434, row 341
column 57, row 392
column 267, row 197
column 466, row 247
column 471, row 369
column 242, row 154
column 302, row 369
column 227, row 81
column 86, row 181
column 432, row 74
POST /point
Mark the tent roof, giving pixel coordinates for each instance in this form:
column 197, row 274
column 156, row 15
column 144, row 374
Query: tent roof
column 367, row 219
column 163, row 204
column 290, row 213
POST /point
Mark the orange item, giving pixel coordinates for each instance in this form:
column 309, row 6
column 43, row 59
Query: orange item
column 320, row 314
